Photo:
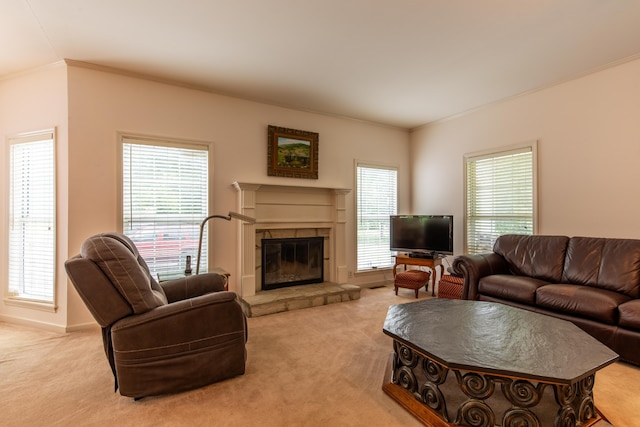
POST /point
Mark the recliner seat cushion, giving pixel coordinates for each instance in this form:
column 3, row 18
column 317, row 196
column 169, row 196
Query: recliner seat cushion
column 121, row 266
column 540, row 257
column 513, row 288
column 583, row 301
column 612, row 264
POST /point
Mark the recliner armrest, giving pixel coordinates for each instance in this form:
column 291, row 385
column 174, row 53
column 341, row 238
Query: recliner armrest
column 193, row 286
column 214, row 317
column 475, row 267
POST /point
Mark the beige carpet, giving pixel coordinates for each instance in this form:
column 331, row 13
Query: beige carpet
column 321, row 366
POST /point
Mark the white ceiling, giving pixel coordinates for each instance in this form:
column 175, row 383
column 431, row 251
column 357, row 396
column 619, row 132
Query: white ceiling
column 402, row 63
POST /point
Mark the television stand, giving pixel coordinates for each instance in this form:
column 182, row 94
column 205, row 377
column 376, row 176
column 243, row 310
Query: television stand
column 423, row 255
column 431, row 263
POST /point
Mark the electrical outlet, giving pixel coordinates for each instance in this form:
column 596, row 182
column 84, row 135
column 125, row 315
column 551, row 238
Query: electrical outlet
column 350, row 274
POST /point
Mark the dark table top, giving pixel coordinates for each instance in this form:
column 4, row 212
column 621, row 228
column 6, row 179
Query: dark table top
column 495, row 338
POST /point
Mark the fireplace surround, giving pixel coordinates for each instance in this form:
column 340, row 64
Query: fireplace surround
column 283, row 211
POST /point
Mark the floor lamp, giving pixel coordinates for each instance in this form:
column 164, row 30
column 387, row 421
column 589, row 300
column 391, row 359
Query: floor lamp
column 231, row 215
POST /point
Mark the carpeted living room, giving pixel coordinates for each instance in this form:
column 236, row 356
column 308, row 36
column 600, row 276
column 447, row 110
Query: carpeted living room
column 417, row 213
column 312, row 367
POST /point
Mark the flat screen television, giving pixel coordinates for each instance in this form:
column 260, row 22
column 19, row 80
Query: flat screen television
column 422, row 235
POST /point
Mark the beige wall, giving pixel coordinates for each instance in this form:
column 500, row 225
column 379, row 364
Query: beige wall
column 101, row 104
column 587, row 130
column 588, row 133
column 29, row 102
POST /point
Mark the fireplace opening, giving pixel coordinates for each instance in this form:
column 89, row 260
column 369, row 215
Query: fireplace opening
column 292, row 261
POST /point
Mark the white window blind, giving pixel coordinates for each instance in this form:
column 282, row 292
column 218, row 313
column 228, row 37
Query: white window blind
column 32, row 208
column 500, row 196
column 376, row 201
column 164, row 200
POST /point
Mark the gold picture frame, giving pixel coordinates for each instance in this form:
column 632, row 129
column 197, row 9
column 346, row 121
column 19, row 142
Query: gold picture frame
column 292, row 153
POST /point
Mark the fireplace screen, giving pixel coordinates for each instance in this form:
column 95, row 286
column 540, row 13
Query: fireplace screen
column 292, row 261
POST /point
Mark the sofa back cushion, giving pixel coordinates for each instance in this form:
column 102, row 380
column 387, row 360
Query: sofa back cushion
column 540, row 257
column 120, row 261
column 612, row 264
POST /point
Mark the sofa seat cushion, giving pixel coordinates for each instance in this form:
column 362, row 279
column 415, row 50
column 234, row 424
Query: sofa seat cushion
column 629, row 315
column 583, row 301
column 512, row 288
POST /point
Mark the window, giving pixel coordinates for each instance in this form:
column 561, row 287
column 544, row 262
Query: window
column 376, row 201
column 500, row 196
column 164, row 200
column 32, row 208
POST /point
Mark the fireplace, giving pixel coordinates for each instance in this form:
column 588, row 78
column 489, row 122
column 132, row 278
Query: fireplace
column 292, row 261
column 283, row 211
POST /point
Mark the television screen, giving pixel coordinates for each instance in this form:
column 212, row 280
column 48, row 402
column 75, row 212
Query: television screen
column 427, row 234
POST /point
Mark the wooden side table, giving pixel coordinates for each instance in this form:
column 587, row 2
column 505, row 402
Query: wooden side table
column 431, row 263
column 222, row 272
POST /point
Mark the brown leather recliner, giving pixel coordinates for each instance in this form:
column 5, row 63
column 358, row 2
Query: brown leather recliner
column 158, row 338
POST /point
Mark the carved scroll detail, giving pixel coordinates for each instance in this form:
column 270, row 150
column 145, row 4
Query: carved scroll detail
column 434, row 399
column 566, row 417
column 435, row 372
column 476, row 386
column 520, row 418
column 523, row 393
column 475, row 413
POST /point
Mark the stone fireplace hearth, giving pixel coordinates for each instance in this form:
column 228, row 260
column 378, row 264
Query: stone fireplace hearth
column 298, row 297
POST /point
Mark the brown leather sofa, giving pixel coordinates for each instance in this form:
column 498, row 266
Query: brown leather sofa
column 592, row 282
column 158, row 338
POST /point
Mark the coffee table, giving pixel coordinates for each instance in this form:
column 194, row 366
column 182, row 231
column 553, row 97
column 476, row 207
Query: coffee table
column 474, row 363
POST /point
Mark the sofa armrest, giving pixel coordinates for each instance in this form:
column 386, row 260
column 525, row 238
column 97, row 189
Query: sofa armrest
column 475, row 267
column 192, row 286
column 199, row 321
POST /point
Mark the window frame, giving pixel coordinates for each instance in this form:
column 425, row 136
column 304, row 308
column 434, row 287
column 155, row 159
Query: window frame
column 20, row 300
column 529, row 146
column 371, row 165
column 128, row 137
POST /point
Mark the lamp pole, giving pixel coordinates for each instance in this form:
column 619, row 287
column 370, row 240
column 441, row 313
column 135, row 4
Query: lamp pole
column 241, row 217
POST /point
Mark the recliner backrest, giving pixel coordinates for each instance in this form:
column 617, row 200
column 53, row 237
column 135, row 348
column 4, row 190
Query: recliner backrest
column 100, row 296
column 117, row 257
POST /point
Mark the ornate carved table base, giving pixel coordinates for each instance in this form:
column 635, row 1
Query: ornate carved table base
column 485, row 364
column 440, row 396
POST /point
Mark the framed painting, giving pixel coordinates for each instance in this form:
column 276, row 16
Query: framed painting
column 292, row 153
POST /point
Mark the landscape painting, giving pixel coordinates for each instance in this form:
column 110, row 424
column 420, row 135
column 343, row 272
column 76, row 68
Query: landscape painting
column 292, row 153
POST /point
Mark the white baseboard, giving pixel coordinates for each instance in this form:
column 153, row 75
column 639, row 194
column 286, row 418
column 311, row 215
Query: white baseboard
column 48, row 326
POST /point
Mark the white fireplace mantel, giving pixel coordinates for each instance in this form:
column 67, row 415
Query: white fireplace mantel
column 290, row 207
